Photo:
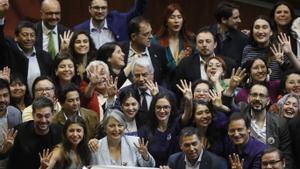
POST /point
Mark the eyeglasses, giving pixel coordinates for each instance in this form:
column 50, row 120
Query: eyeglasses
column 44, row 89
column 273, row 162
column 162, row 107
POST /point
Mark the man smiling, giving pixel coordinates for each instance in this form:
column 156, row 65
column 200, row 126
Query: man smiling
column 34, row 136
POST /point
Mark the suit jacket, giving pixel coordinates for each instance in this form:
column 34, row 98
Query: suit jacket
column 12, row 57
column 117, row 22
column 294, row 125
column 208, row 161
column 89, row 117
column 129, row 153
column 158, row 59
column 189, row 68
column 278, row 135
column 39, row 34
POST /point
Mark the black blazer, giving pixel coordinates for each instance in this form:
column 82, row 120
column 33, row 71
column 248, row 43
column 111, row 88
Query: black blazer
column 294, row 125
column 12, row 57
column 208, row 161
column 39, row 34
column 158, row 58
column 189, row 68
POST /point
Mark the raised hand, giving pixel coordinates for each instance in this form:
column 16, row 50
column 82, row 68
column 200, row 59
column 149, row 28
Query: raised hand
column 142, row 148
column 65, row 40
column 5, row 73
column 45, row 157
column 216, row 77
column 186, row 89
column 9, row 139
column 183, row 53
column 93, row 145
column 4, row 5
column 153, row 87
column 217, row 101
column 235, row 161
column 285, row 42
column 111, row 87
column 236, row 77
column 93, row 74
column 278, row 53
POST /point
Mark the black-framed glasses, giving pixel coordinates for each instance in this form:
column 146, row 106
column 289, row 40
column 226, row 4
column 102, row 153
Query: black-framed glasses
column 162, row 107
column 272, row 162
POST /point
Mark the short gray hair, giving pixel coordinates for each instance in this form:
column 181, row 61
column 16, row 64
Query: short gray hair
column 143, row 62
column 116, row 114
column 95, row 63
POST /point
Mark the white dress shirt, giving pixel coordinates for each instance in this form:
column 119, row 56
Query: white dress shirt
column 46, row 37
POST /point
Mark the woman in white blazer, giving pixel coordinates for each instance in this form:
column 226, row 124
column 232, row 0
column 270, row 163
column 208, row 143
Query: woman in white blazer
column 118, row 149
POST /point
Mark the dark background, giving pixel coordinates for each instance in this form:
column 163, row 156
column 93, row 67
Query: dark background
column 198, row 12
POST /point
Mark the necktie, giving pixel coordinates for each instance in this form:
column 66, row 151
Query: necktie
column 51, row 45
column 144, row 106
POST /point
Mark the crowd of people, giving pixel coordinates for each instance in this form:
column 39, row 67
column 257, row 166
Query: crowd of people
column 110, row 91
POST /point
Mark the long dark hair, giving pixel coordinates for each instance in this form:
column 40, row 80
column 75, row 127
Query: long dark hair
column 163, row 32
column 248, row 82
column 126, row 95
column 91, row 55
column 17, row 77
column 153, row 121
column 75, row 79
column 82, row 149
column 271, row 24
column 287, row 27
column 213, row 132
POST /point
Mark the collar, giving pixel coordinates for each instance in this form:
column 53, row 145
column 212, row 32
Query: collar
column 92, row 27
column 202, row 61
column 6, row 113
column 32, row 54
column 66, row 117
column 252, row 115
column 46, row 30
column 197, row 162
column 134, row 52
column 147, row 92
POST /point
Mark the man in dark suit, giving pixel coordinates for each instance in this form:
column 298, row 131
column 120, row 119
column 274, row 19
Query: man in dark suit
column 21, row 56
column 140, row 35
column 144, row 86
column 193, row 67
column 111, row 26
column 193, row 155
column 267, row 127
column 49, row 29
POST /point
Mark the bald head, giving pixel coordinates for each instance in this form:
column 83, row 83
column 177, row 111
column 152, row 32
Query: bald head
column 50, row 13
